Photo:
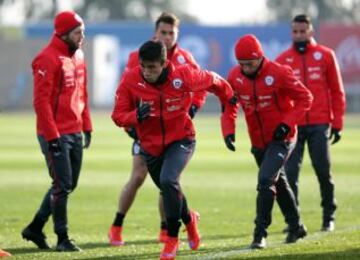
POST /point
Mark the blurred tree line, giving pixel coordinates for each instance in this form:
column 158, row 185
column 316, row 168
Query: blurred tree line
column 102, row 10
column 345, row 11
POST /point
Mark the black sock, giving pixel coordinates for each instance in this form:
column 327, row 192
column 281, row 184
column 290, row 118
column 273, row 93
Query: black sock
column 37, row 224
column 163, row 225
column 173, row 226
column 62, row 237
column 119, row 219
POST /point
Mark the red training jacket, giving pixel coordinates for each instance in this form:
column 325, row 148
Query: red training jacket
column 60, row 95
column 169, row 120
column 318, row 69
column 176, row 56
column 274, row 97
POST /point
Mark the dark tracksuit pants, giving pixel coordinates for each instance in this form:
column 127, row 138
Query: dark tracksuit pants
column 317, row 140
column 64, row 169
column 165, row 171
column 272, row 183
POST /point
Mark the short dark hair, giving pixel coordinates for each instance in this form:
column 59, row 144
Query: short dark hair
column 168, row 18
column 302, row 18
column 153, row 51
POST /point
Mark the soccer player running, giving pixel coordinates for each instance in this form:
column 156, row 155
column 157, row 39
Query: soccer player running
column 155, row 99
column 273, row 101
column 62, row 113
column 316, row 67
column 166, row 30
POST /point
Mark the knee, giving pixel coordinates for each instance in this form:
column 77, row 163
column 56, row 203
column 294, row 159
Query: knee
column 62, row 190
column 138, row 180
column 138, row 176
column 265, row 184
column 167, row 184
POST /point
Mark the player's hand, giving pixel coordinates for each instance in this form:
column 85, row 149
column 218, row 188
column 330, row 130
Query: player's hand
column 281, row 132
column 131, row 132
column 55, row 146
column 87, row 139
column 233, row 100
column 229, row 141
column 192, row 111
column 143, row 112
column 335, row 135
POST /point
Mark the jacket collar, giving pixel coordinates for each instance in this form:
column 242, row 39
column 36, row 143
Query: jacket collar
column 263, row 67
column 312, row 44
column 60, row 45
column 171, row 53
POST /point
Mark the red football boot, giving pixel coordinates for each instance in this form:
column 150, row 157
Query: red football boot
column 170, row 249
column 115, row 236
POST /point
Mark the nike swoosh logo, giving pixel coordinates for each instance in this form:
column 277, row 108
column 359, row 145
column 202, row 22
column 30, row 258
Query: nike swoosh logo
column 184, row 147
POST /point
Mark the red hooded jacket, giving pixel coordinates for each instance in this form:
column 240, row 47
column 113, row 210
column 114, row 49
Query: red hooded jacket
column 60, row 94
column 176, row 56
column 169, row 120
column 275, row 96
column 318, row 69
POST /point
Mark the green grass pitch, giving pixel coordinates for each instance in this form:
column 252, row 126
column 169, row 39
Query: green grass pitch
column 218, row 183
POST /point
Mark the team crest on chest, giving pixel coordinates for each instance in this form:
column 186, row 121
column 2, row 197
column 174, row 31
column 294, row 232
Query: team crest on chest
column 177, row 83
column 317, row 55
column 181, row 59
column 269, row 80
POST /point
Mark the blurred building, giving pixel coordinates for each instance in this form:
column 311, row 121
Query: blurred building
column 108, row 45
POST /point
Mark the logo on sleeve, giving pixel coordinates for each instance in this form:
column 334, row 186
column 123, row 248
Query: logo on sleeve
column 269, row 80
column 317, row 55
column 181, row 59
column 42, row 72
column 177, row 83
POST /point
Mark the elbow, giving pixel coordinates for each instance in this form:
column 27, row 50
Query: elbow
column 117, row 120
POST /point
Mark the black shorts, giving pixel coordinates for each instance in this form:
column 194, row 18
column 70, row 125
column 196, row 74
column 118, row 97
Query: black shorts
column 135, row 150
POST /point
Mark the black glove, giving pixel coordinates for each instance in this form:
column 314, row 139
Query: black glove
column 335, row 135
column 87, row 141
column 229, row 140
column 233, row 100
column 281, row 131
column 143, row 112
column 192, row 111
column 55, row 146
column 132, row 133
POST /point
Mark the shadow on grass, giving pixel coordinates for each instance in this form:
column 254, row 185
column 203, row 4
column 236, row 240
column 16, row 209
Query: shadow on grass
column 240, row 251
column 26, row 250
column 128, row 257
column 106, row 244
column 223, row 237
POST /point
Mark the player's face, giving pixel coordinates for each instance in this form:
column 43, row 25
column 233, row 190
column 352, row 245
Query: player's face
column 76, row 36
column 301, row 32
column 249, row 66
column 151, row 70
column 167, row 33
